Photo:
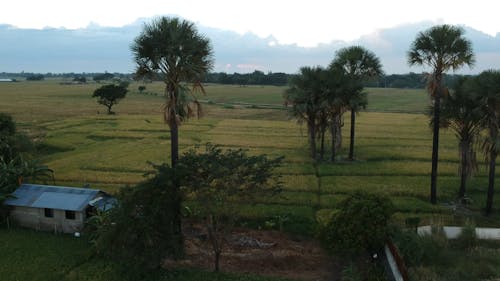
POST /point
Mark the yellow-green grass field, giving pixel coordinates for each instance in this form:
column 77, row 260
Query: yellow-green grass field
column 83, row 145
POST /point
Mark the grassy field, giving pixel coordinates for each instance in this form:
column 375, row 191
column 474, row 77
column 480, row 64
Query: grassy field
column 38, row 256
column 85, row 146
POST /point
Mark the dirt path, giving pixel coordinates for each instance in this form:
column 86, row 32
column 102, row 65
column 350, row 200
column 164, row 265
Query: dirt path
column 261, row 252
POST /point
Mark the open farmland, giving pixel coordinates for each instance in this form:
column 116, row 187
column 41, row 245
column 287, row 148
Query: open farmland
column 84, row 146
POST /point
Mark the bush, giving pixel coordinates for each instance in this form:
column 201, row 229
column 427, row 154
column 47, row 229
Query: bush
column 140, row 232
column 361, row 225
column 467, row 240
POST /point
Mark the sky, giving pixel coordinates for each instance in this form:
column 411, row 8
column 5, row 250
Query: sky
column 305, row 23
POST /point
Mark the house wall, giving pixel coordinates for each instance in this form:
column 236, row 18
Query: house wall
column 35, row 218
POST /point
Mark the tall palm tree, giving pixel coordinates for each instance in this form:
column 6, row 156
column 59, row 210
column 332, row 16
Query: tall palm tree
column 487, row 87
column 442, row 48
column 359, row 64
column 175, row 50
column 305, row 96
column 462, row 112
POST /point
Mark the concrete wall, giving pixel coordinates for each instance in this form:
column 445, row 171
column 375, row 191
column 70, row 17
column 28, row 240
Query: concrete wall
column 35, row 218
column 453, row 232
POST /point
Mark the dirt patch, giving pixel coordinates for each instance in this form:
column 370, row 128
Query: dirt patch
column 260, row 252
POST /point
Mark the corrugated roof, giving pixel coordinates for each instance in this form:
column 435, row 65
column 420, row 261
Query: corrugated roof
column 53, row 197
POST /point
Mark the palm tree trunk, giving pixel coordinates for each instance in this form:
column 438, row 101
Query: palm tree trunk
column 435, row 142
column 174, row 143
column 463, row 169
column 351, row 146
column 491, row 176
column 176, row 206
column 491, row 183
column 332, row 129
column 312, row 138
column 322, row 149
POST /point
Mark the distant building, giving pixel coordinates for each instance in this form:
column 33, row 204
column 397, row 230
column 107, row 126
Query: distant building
column 56, row 208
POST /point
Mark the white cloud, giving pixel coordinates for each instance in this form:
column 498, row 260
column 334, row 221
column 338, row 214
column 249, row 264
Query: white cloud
column 306, row 23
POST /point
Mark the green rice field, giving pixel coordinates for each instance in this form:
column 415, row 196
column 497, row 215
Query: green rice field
column 83, row 145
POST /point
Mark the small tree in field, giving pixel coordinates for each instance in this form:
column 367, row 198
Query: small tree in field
column 219, row 181
column 109, row 95
column 361, row 225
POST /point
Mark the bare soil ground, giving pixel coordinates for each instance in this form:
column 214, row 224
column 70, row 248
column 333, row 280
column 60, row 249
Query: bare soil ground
column 260, row 252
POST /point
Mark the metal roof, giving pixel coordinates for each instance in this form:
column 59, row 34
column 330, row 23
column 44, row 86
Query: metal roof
column 52, row 197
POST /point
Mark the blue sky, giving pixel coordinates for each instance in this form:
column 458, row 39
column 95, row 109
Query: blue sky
column 270, row 35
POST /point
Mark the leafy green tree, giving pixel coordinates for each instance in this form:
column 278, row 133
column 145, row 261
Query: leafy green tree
column 306, row 100
column 486, row 86
column 13, row 166
column 360, row 226
column 7, row 134
column 442, row 48
column 12, row 142
column 220, row 180
column 359, row 64
column 140, row 231
column 462, row 112
column 109, row 95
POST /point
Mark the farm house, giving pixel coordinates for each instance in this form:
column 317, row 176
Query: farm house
column 55, row 208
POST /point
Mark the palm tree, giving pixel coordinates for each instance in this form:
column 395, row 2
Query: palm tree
column 306, row 99
column 487, row 87
column 462, row 112
column 175, row 50
column 442, row 48
column 359, row 64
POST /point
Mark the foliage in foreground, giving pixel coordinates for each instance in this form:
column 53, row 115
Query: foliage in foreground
column 360, row 226
column 220, row 180
column 434, row 257
column 140, row 231
column 14, row 148
column 65, row 258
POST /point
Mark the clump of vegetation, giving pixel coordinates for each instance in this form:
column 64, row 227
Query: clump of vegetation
column 434, row 257
column 220, row 180
column 360, row 226
column 15, row 161
column 109, row 95
column 140, row 232
column 467, row 240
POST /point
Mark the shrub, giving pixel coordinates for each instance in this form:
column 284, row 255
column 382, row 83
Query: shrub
column 467, row 240
column 140, row 232
column 360, row 225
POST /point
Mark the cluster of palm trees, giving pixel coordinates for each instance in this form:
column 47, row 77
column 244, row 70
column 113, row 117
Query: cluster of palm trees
column 173, row 49
column 319, row 97
column 472, row 106
column 472, row 111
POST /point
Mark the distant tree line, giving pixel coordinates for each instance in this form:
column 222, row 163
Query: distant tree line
column 406, row 81
column 409, row 81
column 255, row 78
column 69, row 75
